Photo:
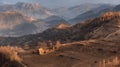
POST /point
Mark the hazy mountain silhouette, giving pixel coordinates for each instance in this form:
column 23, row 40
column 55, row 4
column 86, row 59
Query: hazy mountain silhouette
column 93, row 13
column 30, row 9
column 71, row 12
column 16, row 24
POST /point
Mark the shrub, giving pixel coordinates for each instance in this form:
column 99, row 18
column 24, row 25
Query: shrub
column 58, row 44
column 9, row 57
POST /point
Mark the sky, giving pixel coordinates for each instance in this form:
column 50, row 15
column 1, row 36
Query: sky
column 61, row 3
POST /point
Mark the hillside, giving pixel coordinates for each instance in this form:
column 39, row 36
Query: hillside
column 97, row 28
column 76, row 55
column 55, row 20
column 91, row 29
column 98, row 42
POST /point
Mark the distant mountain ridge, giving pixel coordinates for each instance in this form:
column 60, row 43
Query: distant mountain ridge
column 26, row 18
column 17, row 24
column 93, row 13
column 33, row 10
column 72, row 12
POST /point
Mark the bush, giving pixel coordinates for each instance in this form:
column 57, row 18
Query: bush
column 9, row 57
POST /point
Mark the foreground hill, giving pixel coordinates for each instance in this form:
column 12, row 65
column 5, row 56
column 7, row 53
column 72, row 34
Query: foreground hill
column 78, row 54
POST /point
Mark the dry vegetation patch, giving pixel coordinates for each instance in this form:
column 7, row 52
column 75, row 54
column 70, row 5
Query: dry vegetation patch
column 9, row 57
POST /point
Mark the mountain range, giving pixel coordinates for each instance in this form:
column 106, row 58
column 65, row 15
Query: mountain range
column 25, row 18
column 17, row 24
column 91, row 29
column 71, row 12
column 29, row 9
column 92, row 13
column 32, row 21
column 95, row 13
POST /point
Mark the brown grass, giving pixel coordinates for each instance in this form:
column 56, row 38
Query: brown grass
column 9, row 57
column 113, row 62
